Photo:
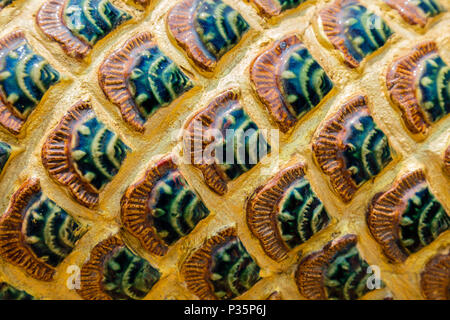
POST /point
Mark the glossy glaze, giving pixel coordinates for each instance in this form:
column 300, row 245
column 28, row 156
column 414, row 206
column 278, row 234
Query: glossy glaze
column 407, row 217
column 337, row 272
column 8, row 292
column 221, row 268
column 417, row 11
column 24, row 79
column 35, row 233
column 161, row 208
column 5, row 154
column 350, row 148
column 285, row 212
column 289, row 81
column 272, row 8
column 114, row 272
column 206, row 29
column 239, row 148
column 90, row 154
column 435, row 277
column 140, row 79
column 79, row 24
column 353, row 30
column 418, row 83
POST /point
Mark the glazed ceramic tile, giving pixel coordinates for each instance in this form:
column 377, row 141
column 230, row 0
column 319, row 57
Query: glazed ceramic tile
column 77, row 25
column 114, row 272
column 206, row 30
column 435, row 278
column 240, row 140
column 272, row 8
column 353, row 30
column 407, row 217
column 350, row 148
column 221, row 268
column 140, row 79
column 8, row 292
column 288, row 81
column 82, row 154
column 24, row 79
column 418, row 84
column 337, row 272
column 285, row 212
column 417, row 12
column 161, row 208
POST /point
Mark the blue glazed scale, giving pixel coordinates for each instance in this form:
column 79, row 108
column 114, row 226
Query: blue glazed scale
column 49, row 230
column 127, row 276
column 367, row 149
column 155, row 81
column 5, row 153
column 92, row 20
column 176, row 208
column 301, row 214
column 219, row 27
column 243, row 144
column 24, row 76
column 97, row 152
column 233, row 271
column 305, row 83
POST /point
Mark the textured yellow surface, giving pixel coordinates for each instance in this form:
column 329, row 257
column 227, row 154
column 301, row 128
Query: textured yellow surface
column 162, row 136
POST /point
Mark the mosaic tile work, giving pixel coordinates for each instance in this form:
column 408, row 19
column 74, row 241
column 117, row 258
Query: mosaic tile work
column 113, row 272
column 407, row 217
column 246, row 143
column 8, row 292
column 418, row 84
column 417, row 12
column 435, row 278
column 350, row 148
column 337, row 272
column 272, row 8
column 289, row 81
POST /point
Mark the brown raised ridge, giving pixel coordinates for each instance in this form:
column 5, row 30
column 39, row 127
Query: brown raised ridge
column 328, row 145
column 9, row 118
column 114, row 72
column 213, row 175
column 384, row 214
